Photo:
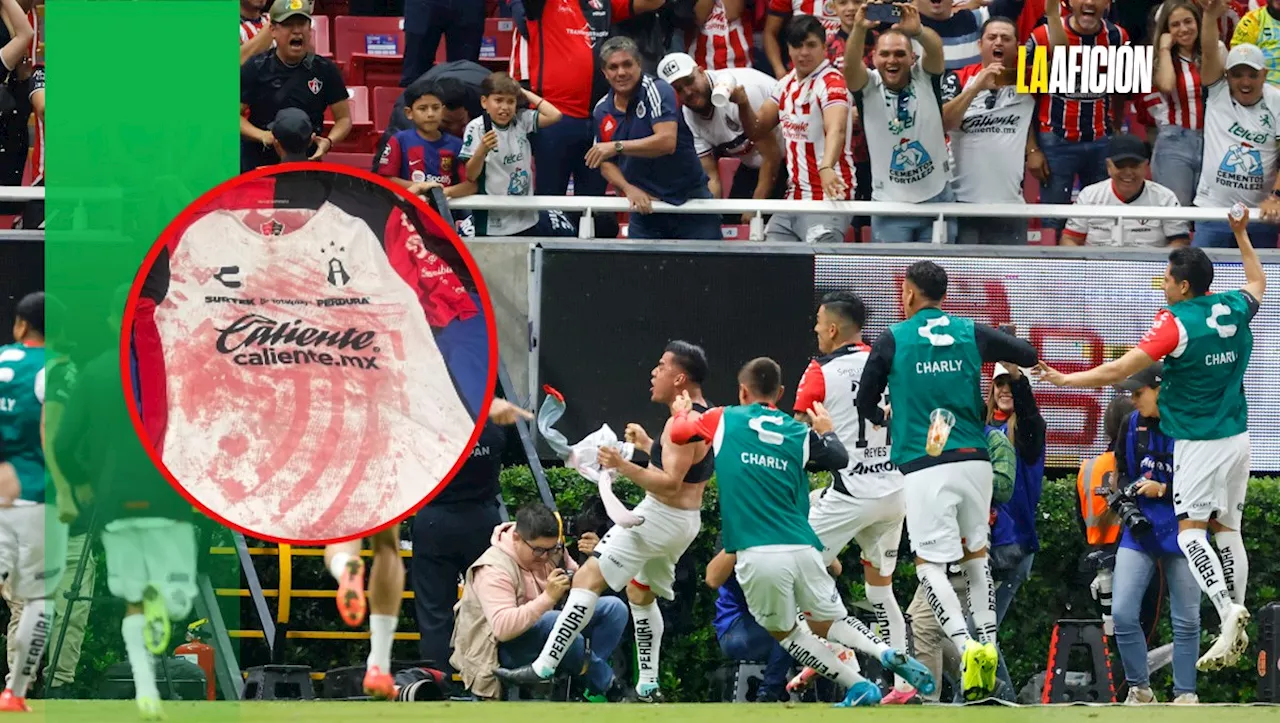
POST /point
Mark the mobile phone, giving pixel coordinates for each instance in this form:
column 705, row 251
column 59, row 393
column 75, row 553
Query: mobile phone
column 488, row 122
column 883, row 12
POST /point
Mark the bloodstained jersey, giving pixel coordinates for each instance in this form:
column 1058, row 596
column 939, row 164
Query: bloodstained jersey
column 832, row 379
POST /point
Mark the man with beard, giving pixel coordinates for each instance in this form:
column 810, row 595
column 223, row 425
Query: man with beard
column 901, row 110
column 290, row 76
column 991, row 136
column 718, row 132
column 643, row 558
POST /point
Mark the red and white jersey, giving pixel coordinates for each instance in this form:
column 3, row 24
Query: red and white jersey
column 250, row 28
column 833, row 380
column 801, row 102
column 722, row 43
column 1186, row 103
column 824, row 10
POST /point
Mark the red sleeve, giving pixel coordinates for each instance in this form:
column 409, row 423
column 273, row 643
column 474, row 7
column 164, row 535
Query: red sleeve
column 621, row 9
column 834, row 91
column 780, row 7
column 442, row 295
column 812, row 387
column 1162, row 337
column 389, row 164
column 1073, row 234
column 684, row 429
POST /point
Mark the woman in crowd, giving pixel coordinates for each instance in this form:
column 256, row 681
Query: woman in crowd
column 1179, row 148
column 1011, row 409
column 1144, row 466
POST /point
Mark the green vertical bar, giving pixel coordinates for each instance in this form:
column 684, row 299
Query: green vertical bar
column 136, row 129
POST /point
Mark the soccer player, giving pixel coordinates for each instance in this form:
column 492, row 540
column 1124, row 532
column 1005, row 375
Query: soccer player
column 931, row 364
column 33, row 542
column 641, row 558
column 864, row 501
column 1205, row 342
column 764, row 512
column 386, row 582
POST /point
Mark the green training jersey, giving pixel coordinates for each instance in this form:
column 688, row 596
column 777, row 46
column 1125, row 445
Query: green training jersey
column 936, row 364
column 21, row 403
column 1207, row 344
column 761, row 453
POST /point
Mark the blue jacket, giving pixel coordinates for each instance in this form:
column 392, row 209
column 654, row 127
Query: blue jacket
column 730, row 605
column 1142, row 450
column 1016, row 519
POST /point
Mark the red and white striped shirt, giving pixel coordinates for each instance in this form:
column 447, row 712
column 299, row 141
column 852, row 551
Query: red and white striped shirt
column 1186, row 103
column 722, row 43
column 801, row 102
column 250, row 28
column 824, row 10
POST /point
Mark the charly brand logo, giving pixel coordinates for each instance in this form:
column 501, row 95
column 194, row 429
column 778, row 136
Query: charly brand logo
column 256, row 340
column 225, row 274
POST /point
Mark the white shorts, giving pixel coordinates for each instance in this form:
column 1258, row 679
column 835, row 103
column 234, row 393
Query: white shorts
column 648, row 552
column 144, row 551
column 947, row 503
column 33, row 551
column 875, row 524
column 778, row 580
column 1210, row 477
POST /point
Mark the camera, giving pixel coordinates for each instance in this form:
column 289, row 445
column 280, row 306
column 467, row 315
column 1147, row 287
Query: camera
column 1121, row 501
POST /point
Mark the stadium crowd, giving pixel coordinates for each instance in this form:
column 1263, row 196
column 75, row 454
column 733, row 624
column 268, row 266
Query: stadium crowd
column 688, row 99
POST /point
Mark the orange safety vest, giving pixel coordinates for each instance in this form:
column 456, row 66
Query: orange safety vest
column 1095, row 481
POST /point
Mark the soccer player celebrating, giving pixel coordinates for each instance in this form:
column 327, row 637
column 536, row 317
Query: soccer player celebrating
column 641, row 558
column 1205, row 342
column 386, row 582
column 764, row 512
column 33, row 542
column 931, row 364
column 864, row 501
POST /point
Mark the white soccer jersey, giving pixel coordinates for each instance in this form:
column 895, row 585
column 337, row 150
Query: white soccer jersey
column 801, row 102
column 990, row 145
column 833, row 380
column 307, row 398
column 722, row 134
column 1240, row 148
column 507, row 171
column 905, row 138
column 1137, row 231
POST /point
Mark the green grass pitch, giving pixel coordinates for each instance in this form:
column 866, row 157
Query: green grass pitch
column 337, row 712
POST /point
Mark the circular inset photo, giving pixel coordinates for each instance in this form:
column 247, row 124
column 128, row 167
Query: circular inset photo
column 313, row 353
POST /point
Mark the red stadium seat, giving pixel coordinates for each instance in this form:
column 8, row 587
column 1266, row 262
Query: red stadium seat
column 320, row 35
column 362, row 138
column 373, row 70
column 736, row 232
column 384, row 104
column 1042, row 237
column 728, row 167
column 352, row 35
column 363, row 161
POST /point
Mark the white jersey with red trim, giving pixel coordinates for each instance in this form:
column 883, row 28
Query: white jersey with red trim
column 833, row 380
column 801, row 102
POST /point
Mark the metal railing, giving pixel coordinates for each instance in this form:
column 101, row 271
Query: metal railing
column 590, row 205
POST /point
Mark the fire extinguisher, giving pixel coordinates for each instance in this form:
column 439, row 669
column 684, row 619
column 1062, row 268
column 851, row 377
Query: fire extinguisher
column 200, row 653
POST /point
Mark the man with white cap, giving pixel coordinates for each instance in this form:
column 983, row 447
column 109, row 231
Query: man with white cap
column 714, row 120
column 1241, row 137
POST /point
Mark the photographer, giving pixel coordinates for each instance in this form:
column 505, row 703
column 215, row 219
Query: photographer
column 1012, row 411
column 508, row 608
column 1144, row 476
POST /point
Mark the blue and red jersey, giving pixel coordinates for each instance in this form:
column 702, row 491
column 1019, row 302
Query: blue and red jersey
column 1079, row 117
column 413, row 158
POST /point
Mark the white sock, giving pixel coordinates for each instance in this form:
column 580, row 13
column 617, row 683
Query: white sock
column 889, row 621
column 144, row 672
column 382, row 633
column 338, row 564
column 853, row 633
column 577, row 612
column 1205, row 565
column 809, row 651
column 648, row 624
column 982, row 597
column 943, row 601
column 1235, row 562
column 32, row 638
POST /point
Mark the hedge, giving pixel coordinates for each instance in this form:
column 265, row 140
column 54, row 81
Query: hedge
column 1057, row 589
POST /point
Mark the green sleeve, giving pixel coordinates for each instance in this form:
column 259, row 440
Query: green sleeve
column 1003, row 465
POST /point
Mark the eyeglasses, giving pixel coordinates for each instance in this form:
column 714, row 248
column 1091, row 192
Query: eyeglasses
column 543, row 551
